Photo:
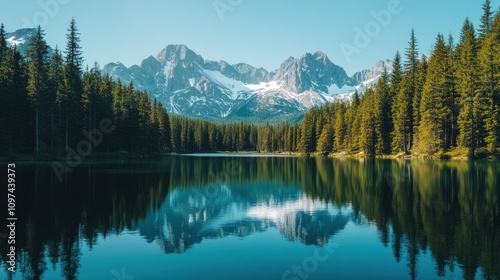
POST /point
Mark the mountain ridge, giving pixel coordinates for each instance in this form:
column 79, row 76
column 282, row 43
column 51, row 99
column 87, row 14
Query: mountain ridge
column 188, row 84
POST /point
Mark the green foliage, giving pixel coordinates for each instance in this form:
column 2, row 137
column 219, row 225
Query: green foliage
column 368, row 133
column 467, row 84
column 382, row 115
column 15, row 109
column 403, row 106
column 433, row 108
column 38, row 85
column 450, row 103
column 486, row 19
column 340, row 126
column 308, row 132
column 325, row 142
column 396, row 75
column 3, row 42
column 403, row 117
column 429, row 106
column 489, row 61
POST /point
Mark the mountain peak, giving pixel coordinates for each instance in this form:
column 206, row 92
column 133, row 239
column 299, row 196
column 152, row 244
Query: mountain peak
column 317, row 57
column 320, row 55
column 187, row 84
column 180, row 51
column 23, row 32
column 20, row 37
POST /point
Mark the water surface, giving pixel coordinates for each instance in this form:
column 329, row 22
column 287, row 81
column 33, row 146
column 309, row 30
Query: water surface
column 254, row 217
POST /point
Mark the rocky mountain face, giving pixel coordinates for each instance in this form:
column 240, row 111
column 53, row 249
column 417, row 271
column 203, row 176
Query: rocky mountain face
column 187, row 84
column 21, row 38
column 369, row 78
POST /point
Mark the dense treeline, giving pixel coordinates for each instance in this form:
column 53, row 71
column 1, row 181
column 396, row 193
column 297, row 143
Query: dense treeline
column 190, row 135
column 49, row 105
column 449, row 101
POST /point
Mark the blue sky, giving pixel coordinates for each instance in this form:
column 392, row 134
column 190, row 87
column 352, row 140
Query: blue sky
column 260, row 32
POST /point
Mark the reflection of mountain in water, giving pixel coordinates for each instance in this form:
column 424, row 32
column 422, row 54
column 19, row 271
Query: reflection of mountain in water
column 190, row 215
column 448, row 209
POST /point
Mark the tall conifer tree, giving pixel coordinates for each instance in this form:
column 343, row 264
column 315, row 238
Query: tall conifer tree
column 38, row 84
column 467, row 73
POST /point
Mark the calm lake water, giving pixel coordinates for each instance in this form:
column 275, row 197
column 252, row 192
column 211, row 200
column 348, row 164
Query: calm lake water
column 203, row 217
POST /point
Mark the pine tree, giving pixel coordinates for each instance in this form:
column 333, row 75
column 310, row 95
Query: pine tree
column 433, row 108
column 403, row 105
column 396, row 76
column 38, row 83
column 164, row 129
column 3, row 95
column 15, row 109
column 411, row 63
column 154, row 129
column 489, row 59
column 105, row 110
column 73, row 86
column 355, row 99
column 452, row 99
column 403, row 117
column 340, row 129
column 382, row 114
column 320, row 121
column 325, row 142
column 56, row 84
column 368, row 137
column 132, row 121
column 353, row 123
column 3, row 43
column 175, row 128
column 120, row 115
column 486, row 20
column 467, row 73
column 308, row 135
column 91, row 90
column 417, row 98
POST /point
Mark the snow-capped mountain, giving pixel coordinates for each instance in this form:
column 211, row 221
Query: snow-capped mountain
column 20, row 38
column 187, row 84
column 369, row 78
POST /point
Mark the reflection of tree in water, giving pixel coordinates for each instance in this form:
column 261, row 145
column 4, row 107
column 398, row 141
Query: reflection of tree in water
column 54, row 219
column 449, row 209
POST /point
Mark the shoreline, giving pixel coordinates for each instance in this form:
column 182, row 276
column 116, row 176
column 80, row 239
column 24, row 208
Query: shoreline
column 134, row 156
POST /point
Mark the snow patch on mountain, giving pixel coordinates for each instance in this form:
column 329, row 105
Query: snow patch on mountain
column 13, row 41
column 21, row 38
column 188, row 84
column 273, row 85
column 231, row 87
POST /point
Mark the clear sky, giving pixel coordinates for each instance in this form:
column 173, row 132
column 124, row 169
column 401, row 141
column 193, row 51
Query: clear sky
column 262, row 33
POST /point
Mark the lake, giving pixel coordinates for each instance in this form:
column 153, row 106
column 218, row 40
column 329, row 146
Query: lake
column 254, row 217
